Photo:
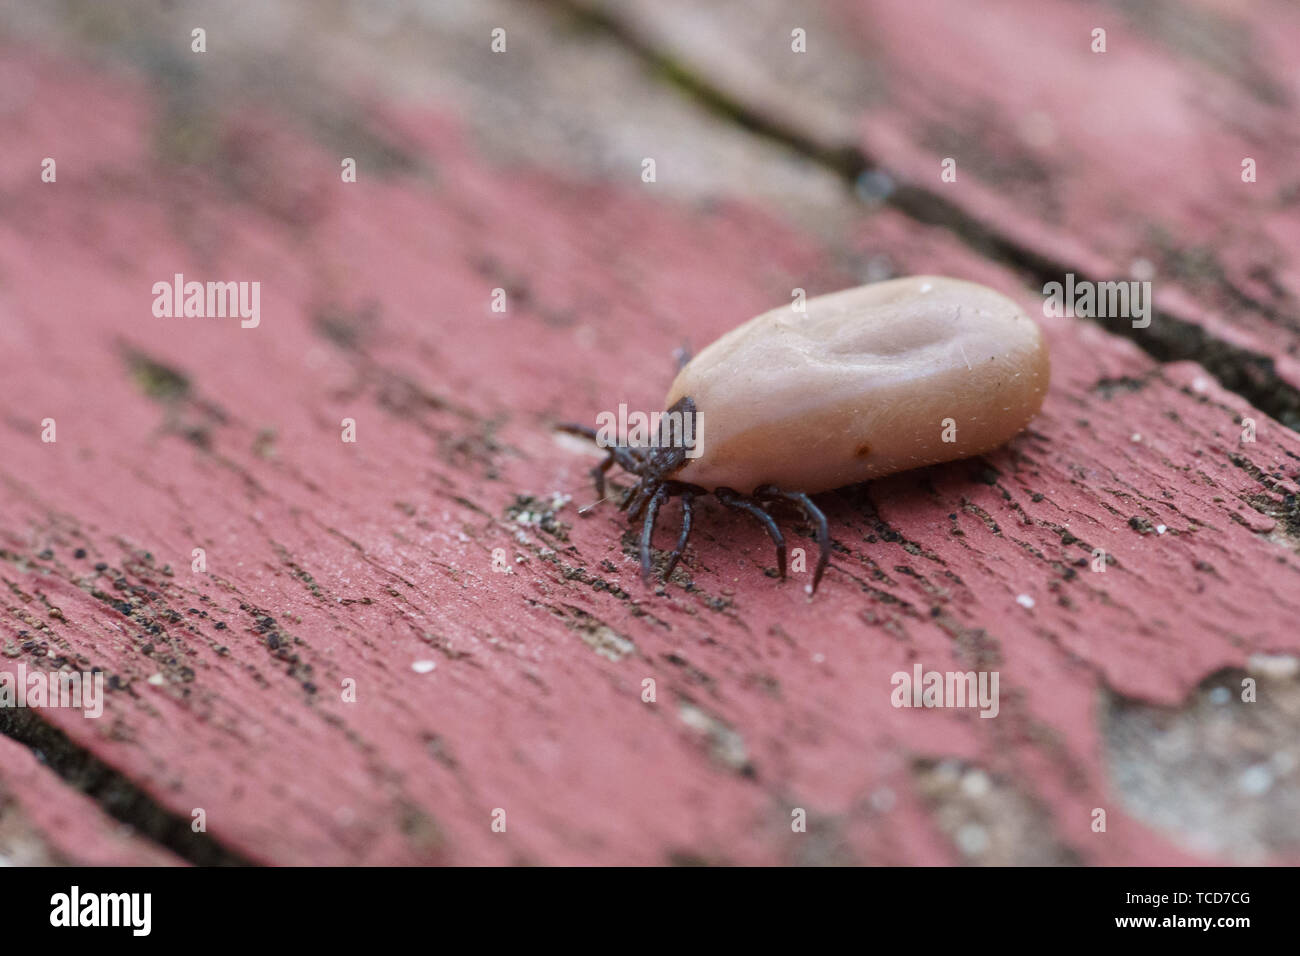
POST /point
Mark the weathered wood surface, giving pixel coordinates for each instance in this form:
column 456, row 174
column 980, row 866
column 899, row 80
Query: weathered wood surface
column 1114, row 164
column 329, row 561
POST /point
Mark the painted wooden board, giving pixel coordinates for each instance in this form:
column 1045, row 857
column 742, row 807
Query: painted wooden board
column 1115, row 157
column 45, row 823
column 350, row 679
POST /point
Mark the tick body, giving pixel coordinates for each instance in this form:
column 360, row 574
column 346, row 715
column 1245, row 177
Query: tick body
column 863, row 383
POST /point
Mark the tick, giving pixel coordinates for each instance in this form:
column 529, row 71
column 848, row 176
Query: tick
column 862, row 383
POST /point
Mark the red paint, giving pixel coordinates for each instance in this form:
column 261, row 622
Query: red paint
column 520, row 712
column 1099, row 160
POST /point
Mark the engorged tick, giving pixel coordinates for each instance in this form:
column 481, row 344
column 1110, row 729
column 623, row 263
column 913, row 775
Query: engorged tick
column 863, row 383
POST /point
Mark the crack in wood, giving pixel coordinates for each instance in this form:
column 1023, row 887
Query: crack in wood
column 1250, row 374
column 121, row 798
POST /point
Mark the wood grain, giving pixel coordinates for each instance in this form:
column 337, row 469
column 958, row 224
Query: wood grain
column 332, row 565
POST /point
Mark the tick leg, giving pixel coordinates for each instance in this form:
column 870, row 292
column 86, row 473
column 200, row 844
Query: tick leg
column 682, row 357
column 598, row 473
column 572, row 428
column 637, row 498
column 634, row 454
column 629, row 457
column 648, row 529
column 814, row 515
column 733, row 499
column 687, row 514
